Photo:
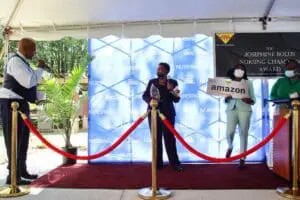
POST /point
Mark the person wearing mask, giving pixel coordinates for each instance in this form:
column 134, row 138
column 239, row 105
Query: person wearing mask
column 20, row 85
column 239, row 112
column 168, row 95
column 286, row 87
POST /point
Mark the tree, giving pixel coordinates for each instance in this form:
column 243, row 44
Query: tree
column 61, row 55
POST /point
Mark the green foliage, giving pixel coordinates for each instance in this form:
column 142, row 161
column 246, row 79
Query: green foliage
column 60, row 106
column 61, row 55
column 12, row 48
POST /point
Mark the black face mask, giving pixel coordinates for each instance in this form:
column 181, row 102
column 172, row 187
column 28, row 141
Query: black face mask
column 160, row 75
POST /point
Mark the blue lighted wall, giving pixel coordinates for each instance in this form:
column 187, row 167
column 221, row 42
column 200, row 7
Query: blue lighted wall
column 118, row 76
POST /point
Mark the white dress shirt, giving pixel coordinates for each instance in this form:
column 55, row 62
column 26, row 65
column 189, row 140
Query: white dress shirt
column 25, row 76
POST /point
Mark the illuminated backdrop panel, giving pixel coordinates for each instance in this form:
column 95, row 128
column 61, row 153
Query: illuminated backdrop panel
column 118, row 76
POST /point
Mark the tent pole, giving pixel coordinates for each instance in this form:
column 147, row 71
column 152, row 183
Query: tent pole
column 14, row 13
column 4, row 50
column 269, row 8
column 264, row 20
column 91, row 26
column 6, row 47
column 6, row 32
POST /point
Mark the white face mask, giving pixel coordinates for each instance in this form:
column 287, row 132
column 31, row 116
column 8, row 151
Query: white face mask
column 238, row 73
column 289, row 73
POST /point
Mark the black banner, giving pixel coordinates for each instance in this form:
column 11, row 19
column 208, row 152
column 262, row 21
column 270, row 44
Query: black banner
column 264, row 54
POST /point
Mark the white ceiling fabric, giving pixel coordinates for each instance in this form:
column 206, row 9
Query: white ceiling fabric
column 53, row 19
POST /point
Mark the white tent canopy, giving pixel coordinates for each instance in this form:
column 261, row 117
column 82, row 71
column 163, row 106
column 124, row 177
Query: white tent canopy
column 53, row 19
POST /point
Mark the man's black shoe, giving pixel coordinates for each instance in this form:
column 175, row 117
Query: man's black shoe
column 178, row 168
column 19, row 182
column 29, row 176
column 242, row 164
column 228, row 152
column 159, row 166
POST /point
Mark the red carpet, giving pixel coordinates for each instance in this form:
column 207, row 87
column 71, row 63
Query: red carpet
column 135, row 176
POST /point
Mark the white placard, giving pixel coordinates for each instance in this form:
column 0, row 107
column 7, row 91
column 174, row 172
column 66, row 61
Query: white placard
column 226, row 87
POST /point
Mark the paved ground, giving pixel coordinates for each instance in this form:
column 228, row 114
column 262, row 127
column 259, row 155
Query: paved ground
column 41, row 159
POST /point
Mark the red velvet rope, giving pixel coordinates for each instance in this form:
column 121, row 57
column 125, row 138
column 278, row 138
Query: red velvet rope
column 212, row 159
column 75, row 157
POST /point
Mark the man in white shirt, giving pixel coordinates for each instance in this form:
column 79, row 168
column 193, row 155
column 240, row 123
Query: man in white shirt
column 20, row 85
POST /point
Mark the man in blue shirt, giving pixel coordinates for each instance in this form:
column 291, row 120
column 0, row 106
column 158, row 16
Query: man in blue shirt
column 19, row 85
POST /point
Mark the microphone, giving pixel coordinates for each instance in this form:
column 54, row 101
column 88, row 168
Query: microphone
column 175, row 91
column 43, row 65
column 46, row 67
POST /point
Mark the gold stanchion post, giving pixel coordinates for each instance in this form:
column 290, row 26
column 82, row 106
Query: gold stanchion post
column 13, row 190
column 154, row 193
column 293, row 193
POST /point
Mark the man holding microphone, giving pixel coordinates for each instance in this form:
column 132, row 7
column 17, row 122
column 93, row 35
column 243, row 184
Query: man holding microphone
column 20, row 85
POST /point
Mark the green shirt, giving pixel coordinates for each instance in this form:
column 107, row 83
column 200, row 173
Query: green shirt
column 284, row 87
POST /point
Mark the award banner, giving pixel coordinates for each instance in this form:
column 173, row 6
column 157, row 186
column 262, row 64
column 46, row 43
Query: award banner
column 264, row 54
column 226, row 87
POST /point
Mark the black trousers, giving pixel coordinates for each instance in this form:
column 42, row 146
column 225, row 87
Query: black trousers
column 169, row 140
column 23, row 134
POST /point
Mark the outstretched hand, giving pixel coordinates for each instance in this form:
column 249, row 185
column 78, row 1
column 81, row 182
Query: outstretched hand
column 228, row 98
column 247, row 100
column 42, row 64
